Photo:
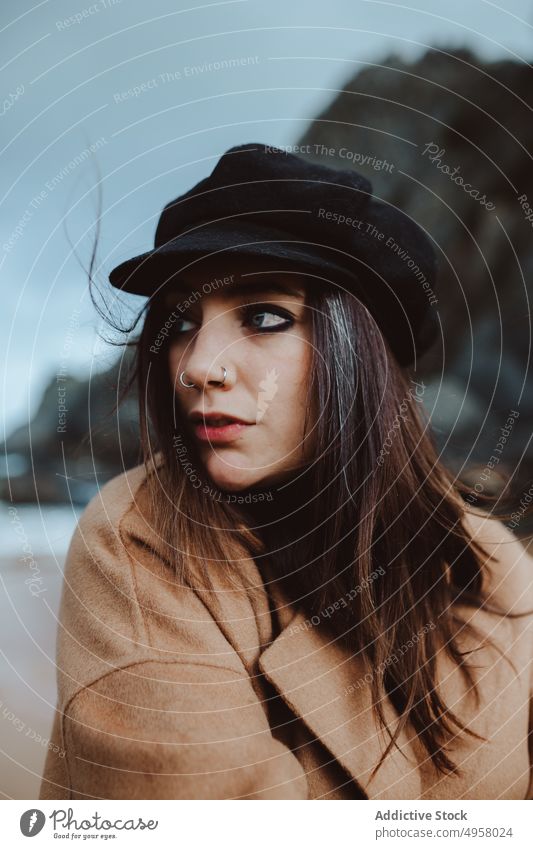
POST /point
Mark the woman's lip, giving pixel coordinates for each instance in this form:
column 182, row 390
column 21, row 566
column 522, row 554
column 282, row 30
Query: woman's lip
column 223, row 433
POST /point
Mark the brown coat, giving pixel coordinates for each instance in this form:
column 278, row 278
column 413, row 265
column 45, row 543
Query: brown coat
column 171, row 692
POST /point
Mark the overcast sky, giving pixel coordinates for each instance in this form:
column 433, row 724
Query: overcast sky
column 73, row 75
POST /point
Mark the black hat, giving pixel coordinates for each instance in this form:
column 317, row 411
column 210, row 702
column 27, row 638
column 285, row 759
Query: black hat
column 260, row 200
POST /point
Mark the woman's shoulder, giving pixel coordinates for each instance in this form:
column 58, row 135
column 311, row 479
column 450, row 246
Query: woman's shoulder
column 103, row 625
column 122, row 602
column 119, row 561
column 118, row 498
column 508, row 570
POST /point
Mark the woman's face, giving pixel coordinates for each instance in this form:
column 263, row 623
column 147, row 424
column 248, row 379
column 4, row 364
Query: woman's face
column 254, row 322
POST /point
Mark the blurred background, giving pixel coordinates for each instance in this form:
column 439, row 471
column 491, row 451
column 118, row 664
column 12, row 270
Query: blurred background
column 431, row 100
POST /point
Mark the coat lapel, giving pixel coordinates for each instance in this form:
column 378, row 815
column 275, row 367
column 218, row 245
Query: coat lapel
column 324, row 684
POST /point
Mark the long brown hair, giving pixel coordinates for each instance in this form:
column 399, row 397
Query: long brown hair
column 383, row 524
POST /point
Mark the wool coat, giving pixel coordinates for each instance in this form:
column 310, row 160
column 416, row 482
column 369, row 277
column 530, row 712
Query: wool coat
column 170, row 691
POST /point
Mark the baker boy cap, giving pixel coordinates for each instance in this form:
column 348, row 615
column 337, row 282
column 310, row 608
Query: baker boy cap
column 260, row 200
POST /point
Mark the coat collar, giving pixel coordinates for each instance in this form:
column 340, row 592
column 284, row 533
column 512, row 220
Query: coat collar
column 318, row 679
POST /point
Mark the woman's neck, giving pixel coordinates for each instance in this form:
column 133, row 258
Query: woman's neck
column 280, row 508
column 283, row 521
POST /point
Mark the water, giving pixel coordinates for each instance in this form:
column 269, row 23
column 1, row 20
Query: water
column 47, row 529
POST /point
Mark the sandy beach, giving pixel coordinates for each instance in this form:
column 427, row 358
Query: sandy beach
column 28, row 625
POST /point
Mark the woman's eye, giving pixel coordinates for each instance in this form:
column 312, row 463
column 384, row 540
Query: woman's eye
column 262, row 317
column 179, row 328
column 266, row 318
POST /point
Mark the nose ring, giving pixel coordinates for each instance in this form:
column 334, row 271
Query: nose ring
column 190, row 385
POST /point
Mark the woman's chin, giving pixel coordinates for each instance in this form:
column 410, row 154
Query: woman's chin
column 232, row 478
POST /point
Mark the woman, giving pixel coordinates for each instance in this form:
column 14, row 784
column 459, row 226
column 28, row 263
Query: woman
column 299, row 603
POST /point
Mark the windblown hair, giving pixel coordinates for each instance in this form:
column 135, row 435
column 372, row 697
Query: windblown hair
column 381, row 504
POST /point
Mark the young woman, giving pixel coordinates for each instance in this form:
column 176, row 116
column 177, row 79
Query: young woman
column 291, row 597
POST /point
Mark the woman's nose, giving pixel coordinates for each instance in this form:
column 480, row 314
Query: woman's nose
column 207, row 360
